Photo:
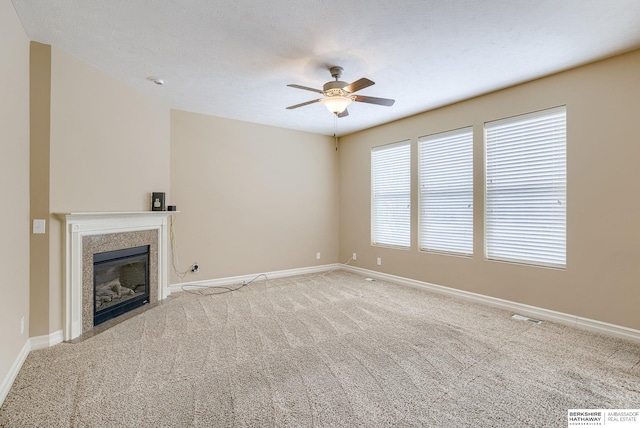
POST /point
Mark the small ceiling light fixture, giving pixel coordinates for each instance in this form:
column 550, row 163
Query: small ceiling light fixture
column 158, row 81
column 336, row 104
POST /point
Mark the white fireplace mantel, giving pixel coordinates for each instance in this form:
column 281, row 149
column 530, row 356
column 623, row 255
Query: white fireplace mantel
column 79, row 225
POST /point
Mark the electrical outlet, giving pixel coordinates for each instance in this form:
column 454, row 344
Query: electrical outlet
column 195, row 268
column 379, row 261
column 318, row 255
column 354, row 257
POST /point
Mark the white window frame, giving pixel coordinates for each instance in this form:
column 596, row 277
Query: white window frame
column 526, row 188
column 445, row 182
column 391, row 195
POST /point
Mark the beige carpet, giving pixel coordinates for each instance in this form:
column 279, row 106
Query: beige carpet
column 324, row 350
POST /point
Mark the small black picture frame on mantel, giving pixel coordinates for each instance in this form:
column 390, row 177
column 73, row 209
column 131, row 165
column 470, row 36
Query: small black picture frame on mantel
column 157, row 201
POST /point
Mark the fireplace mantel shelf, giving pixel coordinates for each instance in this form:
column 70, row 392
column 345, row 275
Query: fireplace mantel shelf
column 115, row 214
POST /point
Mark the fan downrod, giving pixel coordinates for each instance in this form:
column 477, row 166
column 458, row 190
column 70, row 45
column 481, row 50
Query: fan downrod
column 335, row 87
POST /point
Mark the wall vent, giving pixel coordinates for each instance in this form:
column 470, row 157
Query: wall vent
column 523, row 318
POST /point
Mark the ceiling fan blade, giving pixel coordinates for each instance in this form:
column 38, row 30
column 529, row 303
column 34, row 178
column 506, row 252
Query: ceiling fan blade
column 373, row 100
column 303, row 104
column 358, row 84
column 306, row 88
column 344, row 113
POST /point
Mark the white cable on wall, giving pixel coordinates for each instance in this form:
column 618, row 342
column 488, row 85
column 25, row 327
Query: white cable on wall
column 174, row 250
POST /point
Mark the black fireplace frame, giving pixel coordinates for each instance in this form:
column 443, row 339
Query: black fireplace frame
column 110, row 258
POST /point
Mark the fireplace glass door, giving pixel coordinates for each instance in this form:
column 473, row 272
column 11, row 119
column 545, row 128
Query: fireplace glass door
column 120, row 282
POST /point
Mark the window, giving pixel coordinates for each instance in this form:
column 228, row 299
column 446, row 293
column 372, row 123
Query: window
column 391, row 195
column 446, row 192
column 526, row 188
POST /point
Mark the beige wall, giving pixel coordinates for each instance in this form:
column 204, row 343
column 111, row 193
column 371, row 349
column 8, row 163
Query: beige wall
column 252, row 198
column 602, row 279
column 39, row 168
column 109, row 149
column 109, row 142
column 14, row 187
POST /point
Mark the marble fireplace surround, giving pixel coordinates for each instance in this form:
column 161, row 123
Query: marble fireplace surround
column 90, row 233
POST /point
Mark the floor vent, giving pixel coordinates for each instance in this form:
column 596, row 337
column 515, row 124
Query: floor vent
column 523, row 318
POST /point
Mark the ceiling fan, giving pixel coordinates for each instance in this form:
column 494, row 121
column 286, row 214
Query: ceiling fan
column 338, row 95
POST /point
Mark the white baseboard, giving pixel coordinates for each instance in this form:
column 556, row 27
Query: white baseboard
column 530, row 311
column 46, row 341
column 7, row 382
column 240, row 279
column 32, row 344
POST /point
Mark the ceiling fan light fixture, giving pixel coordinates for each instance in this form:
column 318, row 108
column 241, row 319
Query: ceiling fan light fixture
column 336, row 104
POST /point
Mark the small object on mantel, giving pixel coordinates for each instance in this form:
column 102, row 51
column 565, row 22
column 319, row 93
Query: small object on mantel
column 172, row 208
column 157, row 201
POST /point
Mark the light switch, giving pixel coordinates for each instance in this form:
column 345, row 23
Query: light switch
column 39, row 225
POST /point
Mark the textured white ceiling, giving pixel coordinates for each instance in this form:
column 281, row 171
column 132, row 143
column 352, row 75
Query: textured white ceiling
column 234, row 58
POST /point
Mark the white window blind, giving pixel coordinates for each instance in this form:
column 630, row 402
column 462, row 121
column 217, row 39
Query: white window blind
column 526, row 188
column 391, row 195
column 446, row 192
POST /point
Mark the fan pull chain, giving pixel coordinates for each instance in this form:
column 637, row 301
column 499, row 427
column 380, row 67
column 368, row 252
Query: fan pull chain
column 335, row 129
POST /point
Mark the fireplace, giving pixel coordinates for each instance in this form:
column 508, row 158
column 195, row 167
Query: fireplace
column 120, row 282
column 87, row 234
column 105, row 260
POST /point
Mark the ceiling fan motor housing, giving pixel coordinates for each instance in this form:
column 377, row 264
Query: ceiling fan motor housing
column 336, row 86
